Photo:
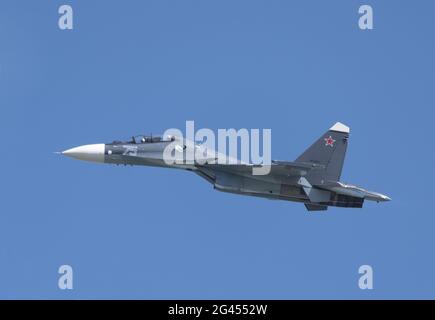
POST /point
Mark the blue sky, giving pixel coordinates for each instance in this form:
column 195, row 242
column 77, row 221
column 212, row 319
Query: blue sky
column 134, row 67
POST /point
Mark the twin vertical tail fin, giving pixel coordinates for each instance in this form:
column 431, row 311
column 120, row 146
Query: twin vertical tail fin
column 329, row 152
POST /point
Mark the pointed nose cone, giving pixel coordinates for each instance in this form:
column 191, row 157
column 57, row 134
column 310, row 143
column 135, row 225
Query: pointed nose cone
column 89, row 152
column 386, row 198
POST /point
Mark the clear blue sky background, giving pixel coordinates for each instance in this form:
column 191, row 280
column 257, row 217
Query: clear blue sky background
column 132, row 67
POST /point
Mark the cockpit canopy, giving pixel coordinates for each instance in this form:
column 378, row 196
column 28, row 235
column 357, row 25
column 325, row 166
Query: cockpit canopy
column 145, row 139
column 140, row 139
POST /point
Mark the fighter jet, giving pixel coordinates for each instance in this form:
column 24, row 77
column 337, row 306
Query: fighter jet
column 312, row 179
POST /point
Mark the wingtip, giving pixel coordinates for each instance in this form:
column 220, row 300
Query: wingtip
column 340, row 127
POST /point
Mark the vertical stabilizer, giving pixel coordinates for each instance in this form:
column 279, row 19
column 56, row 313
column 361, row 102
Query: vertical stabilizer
column 329, row 151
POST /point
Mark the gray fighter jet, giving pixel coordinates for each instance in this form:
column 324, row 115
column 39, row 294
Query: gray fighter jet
column 313, row 178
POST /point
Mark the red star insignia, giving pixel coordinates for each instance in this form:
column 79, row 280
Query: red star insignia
column 329, row 141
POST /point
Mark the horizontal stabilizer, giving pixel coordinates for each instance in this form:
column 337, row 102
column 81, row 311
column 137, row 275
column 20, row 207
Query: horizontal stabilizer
column 353, row 191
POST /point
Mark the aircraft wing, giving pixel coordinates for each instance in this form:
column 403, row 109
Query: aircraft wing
column 277, row 168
